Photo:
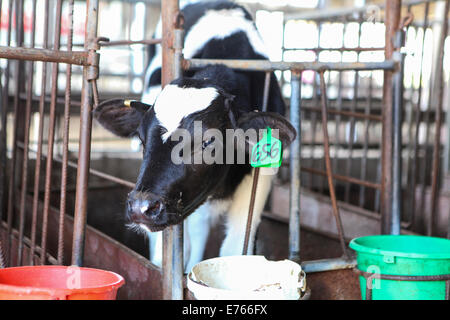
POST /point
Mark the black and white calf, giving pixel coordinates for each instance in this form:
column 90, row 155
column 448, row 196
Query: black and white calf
column 167, row 193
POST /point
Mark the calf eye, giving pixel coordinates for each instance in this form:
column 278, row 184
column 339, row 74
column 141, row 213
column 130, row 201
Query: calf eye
column 207, row 142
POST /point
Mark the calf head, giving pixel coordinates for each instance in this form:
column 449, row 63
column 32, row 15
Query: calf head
column 167, row 191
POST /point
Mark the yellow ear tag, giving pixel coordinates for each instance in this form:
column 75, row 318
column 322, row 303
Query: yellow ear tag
column 127, row 103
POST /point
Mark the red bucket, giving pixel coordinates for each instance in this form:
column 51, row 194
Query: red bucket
column 58, row 283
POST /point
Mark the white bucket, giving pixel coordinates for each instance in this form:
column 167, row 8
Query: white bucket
column 246, row 278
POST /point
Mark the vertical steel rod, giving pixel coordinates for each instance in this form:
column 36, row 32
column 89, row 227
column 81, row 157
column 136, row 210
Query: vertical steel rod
column 18, row 83
column 172, row 43
column 363, row 172
column 26, row 142
column 392, row 20
column 37, row 166
column 250, row 211
column 352, row 119
column 79, row 223
column 326, row 145
column 437, row 132
column 417, row 118
column 266, row 90
column 51, row 135
column 65, row 151
column 295, row 158
column 313, row 115
column 396, row 210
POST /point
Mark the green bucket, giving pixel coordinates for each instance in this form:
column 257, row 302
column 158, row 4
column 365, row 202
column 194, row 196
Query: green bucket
column 403, row 255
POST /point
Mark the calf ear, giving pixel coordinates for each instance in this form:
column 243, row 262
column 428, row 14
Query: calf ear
column 262, row 120
column 121, row 117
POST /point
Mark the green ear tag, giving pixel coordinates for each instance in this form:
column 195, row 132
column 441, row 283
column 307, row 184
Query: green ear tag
column 267, row 152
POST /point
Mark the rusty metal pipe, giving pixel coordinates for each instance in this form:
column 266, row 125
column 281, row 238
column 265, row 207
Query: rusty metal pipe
column 172, row 43
column 26, row 143
column 265, row 65
column 35, row 54
column 349, row 114
column 79, row 225
column 326, row 146
column 12, row 177
column 342, row 178
column 37, row 167
column 250, row 211
column 51, row 135
column 65, row 151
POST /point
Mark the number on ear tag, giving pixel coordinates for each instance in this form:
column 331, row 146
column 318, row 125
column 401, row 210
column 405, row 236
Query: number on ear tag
column 267, row 152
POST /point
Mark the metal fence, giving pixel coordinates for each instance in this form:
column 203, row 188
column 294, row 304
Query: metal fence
column 356, row 109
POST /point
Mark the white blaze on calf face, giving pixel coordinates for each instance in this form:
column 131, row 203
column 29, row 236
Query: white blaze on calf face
column 175, row 103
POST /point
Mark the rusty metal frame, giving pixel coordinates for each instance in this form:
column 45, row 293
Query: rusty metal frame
column 89, row 60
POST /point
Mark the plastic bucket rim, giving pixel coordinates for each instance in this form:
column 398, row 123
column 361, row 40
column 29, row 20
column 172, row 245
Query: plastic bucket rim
column 193, row 283
column 63, row 291
column 359, row 248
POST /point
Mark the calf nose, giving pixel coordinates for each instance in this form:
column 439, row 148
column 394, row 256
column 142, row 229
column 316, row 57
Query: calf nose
column 148, row 207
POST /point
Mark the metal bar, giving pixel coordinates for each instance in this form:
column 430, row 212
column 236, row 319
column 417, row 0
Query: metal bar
column 26, row 143
column 37, row 168
column 396, row 211
column 349, row 11
column 410, row 123
column 352, row 120
column 104, row 43
column 328, row 265
column 79, row 223
column 172, row 269
column 367, row 184
column 313, row 119
column 295, row 156
column 35, row 54
column 2, row 259
column 3, row 156
column 363, row 172
column 65, row 151
column 350, row 114
column 265, row 65
column 266, row 91
column 392, row 21
column 326, row 145
column 51, row 135
column 250, row 211
column 12, row 170
column 339, row 109
column 437, row 131
column 358, row 49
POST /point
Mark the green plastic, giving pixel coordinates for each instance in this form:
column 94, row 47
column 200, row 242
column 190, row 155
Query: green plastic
column 268, row 152
column 403, row 255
